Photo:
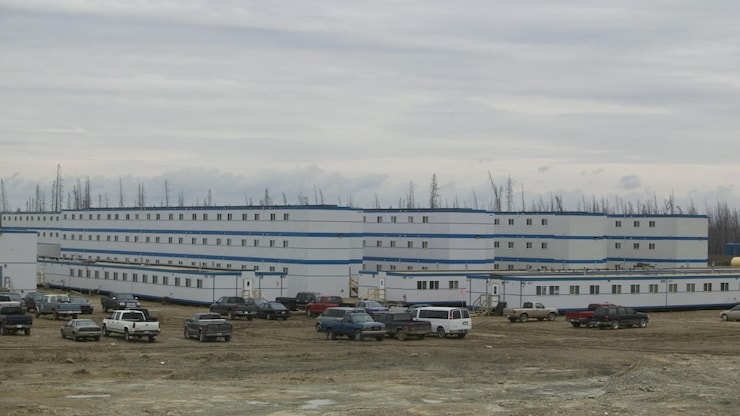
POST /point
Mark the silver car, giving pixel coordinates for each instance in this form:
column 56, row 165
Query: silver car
column 79, row 329
column 731, row 314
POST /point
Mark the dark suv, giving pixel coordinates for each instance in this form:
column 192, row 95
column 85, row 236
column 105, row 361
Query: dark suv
column 335, row 314
column 615, row 316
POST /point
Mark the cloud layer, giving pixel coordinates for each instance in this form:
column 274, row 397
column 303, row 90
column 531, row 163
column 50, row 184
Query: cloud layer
column 362, row 102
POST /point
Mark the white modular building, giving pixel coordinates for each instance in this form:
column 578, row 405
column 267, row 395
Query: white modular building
column 18, row 253
column 441, row 239
column 282, row 250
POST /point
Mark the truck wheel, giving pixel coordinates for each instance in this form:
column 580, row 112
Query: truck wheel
column 512, row 319
column 330, row 335
column 724, row 316
column 151, row 338
column 74, row 316
column 227, row 338
column 249, row 317
column 38, row 315
column 2, row 330
column 441, row 332
column 268, row 317
column 126, row 335
column 358, row 335
column 105, row 331
column 523, row 317
column 27, row 331
column 185, row 333
column 401, row 335
column 308, row 312
column 230, row 315
column 551, row 316
column 75, row 338
column 615, row 324
column 56, row 314
column 318, row 327
column 202, row 336
column 462, row 335
column 97, row 339
column 379, row 338
column 642, row 323
column 576, row 324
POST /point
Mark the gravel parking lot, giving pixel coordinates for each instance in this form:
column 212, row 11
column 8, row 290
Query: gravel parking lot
column 683, row 363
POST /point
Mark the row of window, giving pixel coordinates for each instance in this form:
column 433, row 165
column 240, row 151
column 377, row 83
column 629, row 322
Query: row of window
column 434, row 284
column 635, row 289
column 635, row 224
column 136, row 278
column 169, row 263
column 392, row 244
column 177, row 240
column 153, row 217
column 394, row 219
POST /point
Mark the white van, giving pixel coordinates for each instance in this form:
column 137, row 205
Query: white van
column 445, row 320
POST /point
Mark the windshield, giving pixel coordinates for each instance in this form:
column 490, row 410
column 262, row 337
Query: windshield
column 372, row 304
column 361, row 317
column 125, row 296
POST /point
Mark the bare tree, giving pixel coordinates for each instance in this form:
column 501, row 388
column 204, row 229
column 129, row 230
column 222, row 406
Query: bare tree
column 166, row 193
column 434, row 193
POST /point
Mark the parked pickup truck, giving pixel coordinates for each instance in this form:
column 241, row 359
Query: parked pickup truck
column 205, row 326
column 401, row 326
column 235, row 307
column 356, row 326
column 583, row 318
column 319, row 305
column 131, row 324
column 300, row 300
column 615, row 317
column 13, row 320
column 57, row 306
column 119, row 301
column 530, row 310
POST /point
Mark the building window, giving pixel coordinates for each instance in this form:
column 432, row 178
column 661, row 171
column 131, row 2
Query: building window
column 511, row 221
column 653, row 288
column 724, row 287
column 554, row 290
column 673, row 288
column 637, row 224
column 393, row 243
column 177, row 281
column 425, row 244
column 651, row 224
column 378, row 243
column 636, row 246
column 618, row 246
column 199, row 283
column 155, row 279
column 544, row 221
column 272, row 243
column 510, row 244
column 165, row 280
column 635, row 289
column 495, row 221
column 690, row 287
column 379, row 219
column 272, row 216
column 529, row 244
column 496, row 244
column 529, row 221
column 245, row 217
column 541, row 290
column 618, row 224
column 411, row 219
column 187, row 282
column 434, row 284
column 393, row 219
column 575, row 290
column 257, row 217
column 544, row 246
column 410, row 244
column 651, row 246
column 421, row 285
column 453, row 284
column 616, row 289
column 707, row 287
column 425, row 219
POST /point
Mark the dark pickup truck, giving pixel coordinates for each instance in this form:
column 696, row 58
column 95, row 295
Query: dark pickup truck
column 300, row 300
column 205, row 326
column 236, row 307
column 13, row 320
column 401, row 326
column 614, row 317
column 583, row 318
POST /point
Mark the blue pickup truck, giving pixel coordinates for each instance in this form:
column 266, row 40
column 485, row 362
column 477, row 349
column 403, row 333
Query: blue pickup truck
column 356, row 326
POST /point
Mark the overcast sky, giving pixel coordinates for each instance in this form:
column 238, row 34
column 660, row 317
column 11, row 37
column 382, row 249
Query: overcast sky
column 361, row 101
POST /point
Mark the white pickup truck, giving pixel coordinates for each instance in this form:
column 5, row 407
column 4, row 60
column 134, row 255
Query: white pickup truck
column 529, row 311
column 131, row 324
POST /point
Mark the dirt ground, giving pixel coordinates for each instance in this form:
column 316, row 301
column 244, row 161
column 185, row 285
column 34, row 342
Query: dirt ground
column 683, row 363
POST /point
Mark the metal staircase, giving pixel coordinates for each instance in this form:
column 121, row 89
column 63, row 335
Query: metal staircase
column 484, row 304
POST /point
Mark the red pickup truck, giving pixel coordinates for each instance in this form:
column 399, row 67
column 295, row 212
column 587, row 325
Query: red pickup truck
column 583, row 318
column 319, row 305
